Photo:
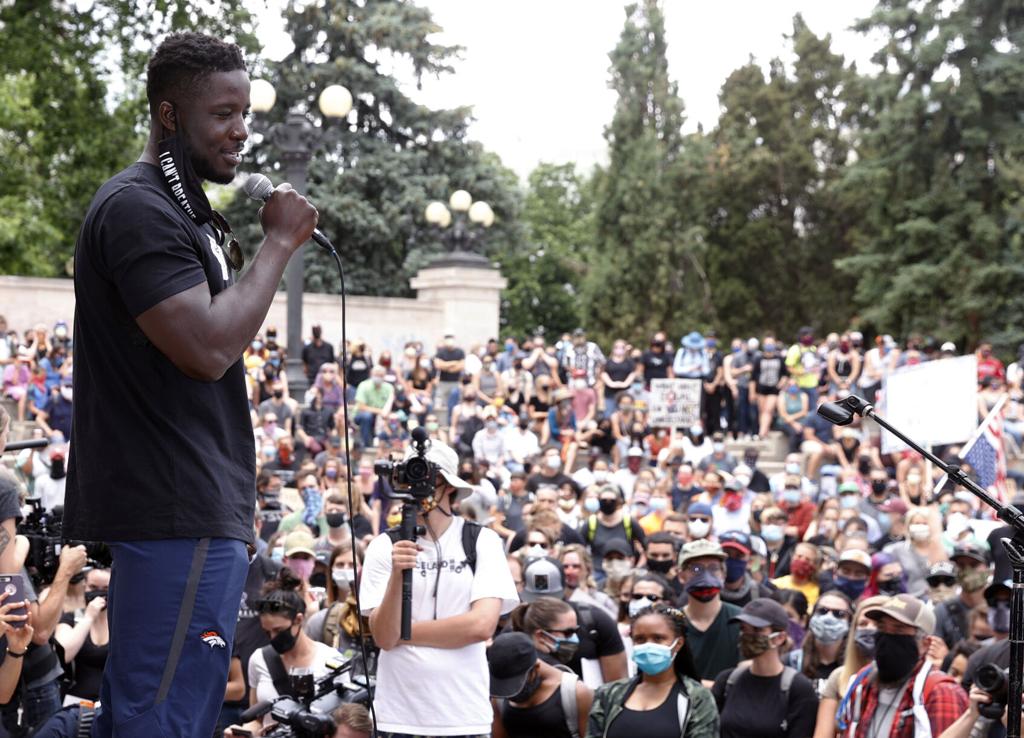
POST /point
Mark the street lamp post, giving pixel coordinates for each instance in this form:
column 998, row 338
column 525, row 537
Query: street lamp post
column 458, row 230
column 295, row 138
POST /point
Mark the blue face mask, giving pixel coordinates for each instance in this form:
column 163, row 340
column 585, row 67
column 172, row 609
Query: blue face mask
column 591, row 505
column 849, row 501
column 884, row 522
column 852, row 588
column 791, row 496
column 772, row 533
column 653, row 658
column 735, row 569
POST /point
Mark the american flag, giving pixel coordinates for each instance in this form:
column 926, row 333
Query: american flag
column 988, row 457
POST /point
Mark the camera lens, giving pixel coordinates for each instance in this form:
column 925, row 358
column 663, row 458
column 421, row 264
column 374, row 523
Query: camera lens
column 417, row 470
column 991, row 679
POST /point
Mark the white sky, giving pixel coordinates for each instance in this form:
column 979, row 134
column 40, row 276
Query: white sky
column 536, row 71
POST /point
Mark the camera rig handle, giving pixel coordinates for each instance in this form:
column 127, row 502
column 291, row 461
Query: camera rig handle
column 408, row 534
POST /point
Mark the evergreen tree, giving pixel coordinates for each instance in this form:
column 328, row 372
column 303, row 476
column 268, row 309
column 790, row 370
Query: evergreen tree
column 938, row 176
column 640, row 271
column 372, row 175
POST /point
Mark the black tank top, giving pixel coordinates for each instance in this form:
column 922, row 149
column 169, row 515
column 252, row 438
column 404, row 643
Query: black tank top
column 661, row 722
column 844, row 365
column 546, row 720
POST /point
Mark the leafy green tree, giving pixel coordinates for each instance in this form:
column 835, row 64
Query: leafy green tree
column 544, row 278
column 62, row 133
column 372, row 174
column 938, row 249
column 644, row 268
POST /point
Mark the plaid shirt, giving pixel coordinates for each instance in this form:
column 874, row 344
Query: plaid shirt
column 944, row 699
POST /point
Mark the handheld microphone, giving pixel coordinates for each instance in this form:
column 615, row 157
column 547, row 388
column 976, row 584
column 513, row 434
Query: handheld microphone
column 260, row 188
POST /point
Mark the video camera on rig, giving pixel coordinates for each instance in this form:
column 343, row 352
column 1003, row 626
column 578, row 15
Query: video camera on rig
column 416, row 475
column 43, row 529
column 294, row 714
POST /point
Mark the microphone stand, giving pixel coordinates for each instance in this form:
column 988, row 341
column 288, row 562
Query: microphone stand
column 841, row 413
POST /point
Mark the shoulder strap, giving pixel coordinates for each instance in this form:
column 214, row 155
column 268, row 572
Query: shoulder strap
column 332, row 625
column 683, row 710
column 586, row 617
column 395, row 534
column 275, row 667
column 570, row 708
column 470, row 533
column 591, row 528
column 734, row 677
column 788, row 674
column 627, row 523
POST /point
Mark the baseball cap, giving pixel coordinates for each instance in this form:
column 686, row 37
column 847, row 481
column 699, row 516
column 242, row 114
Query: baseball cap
column 543, row 578
column 763, row 613
column 448, row 461
column 735, row 539
column 855, row 556
column 970, row 550
column 635, row 451
column 997, row 584
column 939, row 570
column 699, row 549
column 907, row 609
column 848, row 487
column 894, row 505
column 949, row 346
column 509, row 659
column 299, row 541
column 699, row 508
column 617, row 545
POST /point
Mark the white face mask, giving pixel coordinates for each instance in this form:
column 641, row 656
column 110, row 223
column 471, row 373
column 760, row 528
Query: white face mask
column 553, row 462
column 956, row 524
column 536, row 551
column 343, row 577
column 920, row 531
column 699, row 528
column 600, row 475
column 636, row 606
column 66, row 393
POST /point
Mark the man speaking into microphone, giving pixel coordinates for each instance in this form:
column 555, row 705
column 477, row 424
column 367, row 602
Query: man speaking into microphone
column 162, row 461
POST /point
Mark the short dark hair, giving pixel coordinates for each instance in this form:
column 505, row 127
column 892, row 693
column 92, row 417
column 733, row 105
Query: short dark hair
column 183, row 60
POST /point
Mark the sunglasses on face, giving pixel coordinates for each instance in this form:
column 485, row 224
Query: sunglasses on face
column 651, row 597
column 838, row 612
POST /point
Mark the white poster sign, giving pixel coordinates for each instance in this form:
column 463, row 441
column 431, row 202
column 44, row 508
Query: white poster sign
column 674, row 403
column 934, row 403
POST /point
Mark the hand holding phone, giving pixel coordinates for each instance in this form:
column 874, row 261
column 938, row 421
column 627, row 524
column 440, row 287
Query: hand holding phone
column 13, row 604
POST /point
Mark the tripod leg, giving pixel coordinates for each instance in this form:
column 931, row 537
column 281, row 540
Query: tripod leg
column 1015, row 549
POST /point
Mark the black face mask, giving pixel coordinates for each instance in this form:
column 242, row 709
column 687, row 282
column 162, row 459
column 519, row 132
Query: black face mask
column 608, row 506
column 335, row 519
column 284, row 641
column 184, row 184
column 878, row 486
column 90, row 596
column 895, row 656
column 864, row 466
column 278, row 394
column 661, row 567
column 532, row 685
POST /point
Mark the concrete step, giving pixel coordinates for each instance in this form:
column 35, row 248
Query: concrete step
column 22, row 430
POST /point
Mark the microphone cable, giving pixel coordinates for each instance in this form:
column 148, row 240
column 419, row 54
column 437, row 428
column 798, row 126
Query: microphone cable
column 356, row 567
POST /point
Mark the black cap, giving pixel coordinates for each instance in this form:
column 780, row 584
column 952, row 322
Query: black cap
column 969, row 550
column 763, row 613
column 509, row 659
column 617, row 545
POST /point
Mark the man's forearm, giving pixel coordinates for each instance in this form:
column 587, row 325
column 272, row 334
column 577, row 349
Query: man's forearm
column 50, row 609
column 458, row 631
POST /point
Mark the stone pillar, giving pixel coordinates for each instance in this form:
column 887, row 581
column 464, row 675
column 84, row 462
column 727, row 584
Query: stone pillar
column 467, row 291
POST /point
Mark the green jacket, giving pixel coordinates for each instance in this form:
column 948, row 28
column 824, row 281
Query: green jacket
column 701, row 719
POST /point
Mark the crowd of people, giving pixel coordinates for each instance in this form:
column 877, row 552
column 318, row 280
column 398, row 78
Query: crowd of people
column 666, row 584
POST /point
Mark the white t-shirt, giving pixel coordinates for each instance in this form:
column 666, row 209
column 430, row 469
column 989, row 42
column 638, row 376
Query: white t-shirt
column 438, row 691
column 263, row 683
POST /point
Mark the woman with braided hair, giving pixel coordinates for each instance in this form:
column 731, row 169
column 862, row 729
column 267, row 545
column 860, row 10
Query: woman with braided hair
column 665, row 699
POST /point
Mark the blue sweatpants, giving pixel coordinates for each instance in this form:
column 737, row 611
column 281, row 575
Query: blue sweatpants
column 172, row 609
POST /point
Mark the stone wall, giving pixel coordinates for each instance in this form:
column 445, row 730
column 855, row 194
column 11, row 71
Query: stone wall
column 460, row 300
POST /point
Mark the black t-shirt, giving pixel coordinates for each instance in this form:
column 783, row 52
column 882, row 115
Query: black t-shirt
column 88, row 665
column 715, row 649
column 656, row 364
column 185, row 460
column 768, row 372
column 358, row 370
column 754, row 707
column 314, row 357
column 450, row 354
column 618, row 371
column 599, row 636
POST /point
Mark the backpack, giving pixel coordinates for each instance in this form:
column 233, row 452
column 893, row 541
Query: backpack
column 627, row 523
column 788, row 675
column 849, row 711
column 567, row 693
column 470, row 532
